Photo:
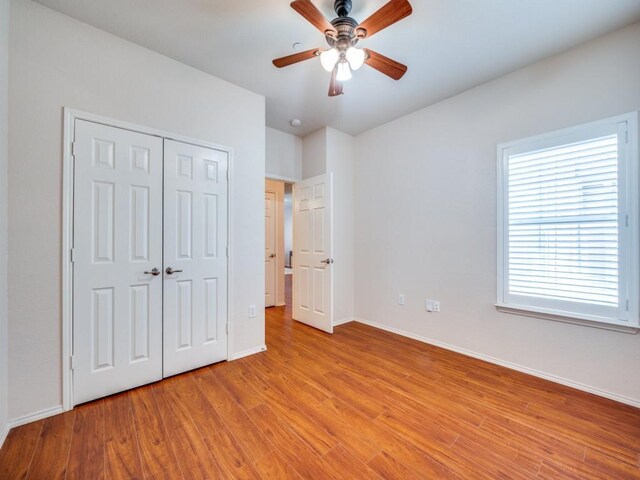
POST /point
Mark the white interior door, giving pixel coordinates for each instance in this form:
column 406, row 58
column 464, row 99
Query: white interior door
column 195, row 256
column 312, row 257
column 117, row 241
column 270, row 206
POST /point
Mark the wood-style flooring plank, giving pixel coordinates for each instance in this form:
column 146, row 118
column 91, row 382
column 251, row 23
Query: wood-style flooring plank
column 229, row 457
column 86, row 455
column 273, row 467
column 388, row 467
column 294, row 449
column 52, row 453
column 18, row 449
column 123, row 459
column 193, row 455
column 349, row 465
column 158, row 458
column 250, row 438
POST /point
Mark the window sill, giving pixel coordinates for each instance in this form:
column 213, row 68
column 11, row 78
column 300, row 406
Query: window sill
column 546, row 315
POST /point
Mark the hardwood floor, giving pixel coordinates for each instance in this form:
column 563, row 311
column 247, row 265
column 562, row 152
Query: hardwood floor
column 361, row 404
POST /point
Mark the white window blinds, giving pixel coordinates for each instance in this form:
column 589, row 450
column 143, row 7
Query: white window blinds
column 568, row 226
column 563, row 222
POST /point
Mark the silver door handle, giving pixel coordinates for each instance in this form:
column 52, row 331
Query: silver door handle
column 171, row 271
column 154, row 271
column 272, row 255
column 328, row 261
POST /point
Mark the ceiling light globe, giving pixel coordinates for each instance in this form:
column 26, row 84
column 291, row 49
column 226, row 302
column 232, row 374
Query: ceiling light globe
column 344, row 72
column 356, row 57
column 328, row 59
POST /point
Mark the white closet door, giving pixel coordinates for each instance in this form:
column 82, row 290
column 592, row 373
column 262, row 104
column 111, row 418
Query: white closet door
column 195, row 250
column 117, row 307
column 270, row 249
column 313, row 246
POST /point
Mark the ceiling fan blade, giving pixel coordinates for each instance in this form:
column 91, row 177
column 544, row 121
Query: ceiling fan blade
column 296, row 57
column 335, row 87
column 314, row 16
column 387, row 15
column 385, row 65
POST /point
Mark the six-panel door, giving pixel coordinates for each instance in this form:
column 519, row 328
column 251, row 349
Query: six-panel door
column 270, row 272
column 117, row 307
column 312, row 260
column 195, row 249
column 149, row 259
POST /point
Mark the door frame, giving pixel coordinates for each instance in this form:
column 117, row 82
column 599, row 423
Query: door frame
column 68, row 133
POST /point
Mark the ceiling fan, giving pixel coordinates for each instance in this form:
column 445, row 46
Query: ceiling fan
column 342, row 34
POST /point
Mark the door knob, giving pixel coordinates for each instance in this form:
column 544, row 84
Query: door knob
column 154, row 271
column 171, row 271
column 328, row 261
column 272, row 255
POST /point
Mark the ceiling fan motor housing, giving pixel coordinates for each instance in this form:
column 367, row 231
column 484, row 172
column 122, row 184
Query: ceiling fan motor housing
column 345, row 27
column 342, row 7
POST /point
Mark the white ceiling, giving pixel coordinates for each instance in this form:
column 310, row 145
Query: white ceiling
column 448, row 45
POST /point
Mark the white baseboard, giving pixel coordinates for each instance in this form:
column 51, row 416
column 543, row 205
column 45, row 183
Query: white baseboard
column 3, row 433
column 343, row 321
column 246, row 353
column 32, row 417
column 503, row 363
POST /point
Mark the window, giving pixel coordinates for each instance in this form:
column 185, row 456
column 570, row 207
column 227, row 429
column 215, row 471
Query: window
column 568, row 221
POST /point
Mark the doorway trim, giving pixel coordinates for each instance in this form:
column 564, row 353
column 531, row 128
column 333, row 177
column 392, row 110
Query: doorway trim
column 280, row 178
column 70, row 115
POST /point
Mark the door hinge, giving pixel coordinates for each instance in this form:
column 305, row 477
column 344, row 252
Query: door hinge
column 71, row 255
column 227, row 329
column 73, row 149
column 627, row 305
column 228, row 177
column 227, row 251
column 72, row 362
column 626, row 220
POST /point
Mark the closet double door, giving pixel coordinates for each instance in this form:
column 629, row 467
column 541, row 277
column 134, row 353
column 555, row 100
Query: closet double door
column 149, row 258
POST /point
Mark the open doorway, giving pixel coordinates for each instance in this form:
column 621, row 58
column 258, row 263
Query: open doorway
column 306, row 253
column 278, row 243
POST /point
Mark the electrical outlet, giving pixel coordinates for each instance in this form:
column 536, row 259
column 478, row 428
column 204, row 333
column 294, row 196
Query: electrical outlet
column 436, row 306
column 401, row 299
column 428, row 305
column 252, row 311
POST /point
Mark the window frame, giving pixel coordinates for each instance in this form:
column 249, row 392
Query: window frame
column 625, row 319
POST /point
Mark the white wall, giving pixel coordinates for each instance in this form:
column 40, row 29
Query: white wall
column 4, row 85
column 314, row 153
column 340, row 150
column 56, row 61
column 426, row 214
column 283, row 155
column 329, row 150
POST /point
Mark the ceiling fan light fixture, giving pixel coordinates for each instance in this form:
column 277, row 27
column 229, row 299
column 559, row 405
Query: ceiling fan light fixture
column 355, row 57
column 329, row 58
column 344, row 72
column 342, row 35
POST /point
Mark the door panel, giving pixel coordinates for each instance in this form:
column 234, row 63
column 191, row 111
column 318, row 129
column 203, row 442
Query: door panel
column 117, row 237
column 312, row 260
column 270, row 248
column 195, row 243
